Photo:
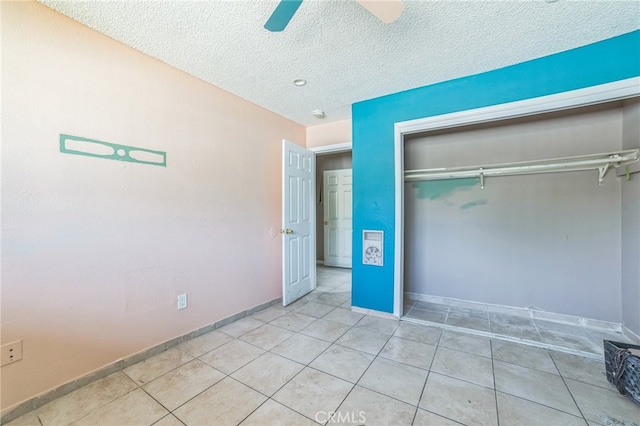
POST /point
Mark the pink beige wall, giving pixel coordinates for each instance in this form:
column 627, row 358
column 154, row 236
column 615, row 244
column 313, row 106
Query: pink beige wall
column 329, row 134
column 95, row 251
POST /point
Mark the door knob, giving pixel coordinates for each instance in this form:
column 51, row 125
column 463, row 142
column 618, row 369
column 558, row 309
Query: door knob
column 286, row 231
column 326, row 223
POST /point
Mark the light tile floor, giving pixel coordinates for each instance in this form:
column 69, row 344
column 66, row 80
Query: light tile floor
column 578, row 339
column 296, row 365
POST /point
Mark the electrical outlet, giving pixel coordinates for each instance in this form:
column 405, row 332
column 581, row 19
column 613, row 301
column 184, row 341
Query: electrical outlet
column 11, row 352
column 182, row 301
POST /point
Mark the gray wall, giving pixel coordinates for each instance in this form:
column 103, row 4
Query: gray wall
column 324, row 162
column 547, row 241
column 631, row 223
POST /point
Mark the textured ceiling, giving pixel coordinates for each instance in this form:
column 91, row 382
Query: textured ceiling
column 344, row 52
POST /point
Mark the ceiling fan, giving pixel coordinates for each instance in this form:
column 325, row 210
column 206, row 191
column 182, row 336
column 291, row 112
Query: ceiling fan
column 385, row 10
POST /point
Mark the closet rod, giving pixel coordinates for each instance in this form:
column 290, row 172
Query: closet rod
column 600, row 162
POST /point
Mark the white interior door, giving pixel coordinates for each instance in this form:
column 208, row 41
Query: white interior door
column 298, row 222
column 337, row 217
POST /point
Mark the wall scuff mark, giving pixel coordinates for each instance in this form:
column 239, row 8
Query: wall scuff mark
column 473, row 204
column 441, row 189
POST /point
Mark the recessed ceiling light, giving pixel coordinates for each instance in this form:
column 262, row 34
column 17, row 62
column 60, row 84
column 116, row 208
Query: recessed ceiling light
column 318, row 113
column 299, row 82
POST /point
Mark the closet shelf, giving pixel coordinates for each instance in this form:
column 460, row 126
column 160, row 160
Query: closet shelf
column 601, row 162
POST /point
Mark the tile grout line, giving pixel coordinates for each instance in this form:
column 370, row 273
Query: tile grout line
column 546, row 372
column 309, row 366
column 299, row 372
column 169, row 412
column 326, row 349
column 540, row 403
column 194, row 397
column 446, row 317
column 164, row 417
column 569, row 390
column 351, row 327
column 367, row 369
column 217, row 382
column 437, row 345
column 495, row 386
column 244, row 365
column 276, row 391
column 256, row 390
column 535, row 326
column 137, row 386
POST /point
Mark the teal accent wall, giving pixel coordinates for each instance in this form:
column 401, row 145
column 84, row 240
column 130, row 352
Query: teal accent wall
column 603, row 62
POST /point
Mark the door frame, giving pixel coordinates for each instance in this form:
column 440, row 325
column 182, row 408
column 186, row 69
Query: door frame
column 332, row 149
column 328, row 149
column 609, row 92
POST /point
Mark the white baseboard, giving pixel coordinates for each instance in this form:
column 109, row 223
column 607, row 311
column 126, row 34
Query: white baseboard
column 374, row 313
column 507, row 338
column 629, row 334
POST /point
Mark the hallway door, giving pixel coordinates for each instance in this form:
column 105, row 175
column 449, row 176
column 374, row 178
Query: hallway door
column 337, row 217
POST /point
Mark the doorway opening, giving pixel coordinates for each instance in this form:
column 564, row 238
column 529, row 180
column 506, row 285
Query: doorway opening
column 608, row 92
column 333, row 209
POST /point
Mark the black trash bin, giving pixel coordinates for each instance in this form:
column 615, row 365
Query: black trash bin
column 623, row 368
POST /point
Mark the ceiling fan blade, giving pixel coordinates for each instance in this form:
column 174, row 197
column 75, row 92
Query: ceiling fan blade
column 385, row 10
column 282, row 15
